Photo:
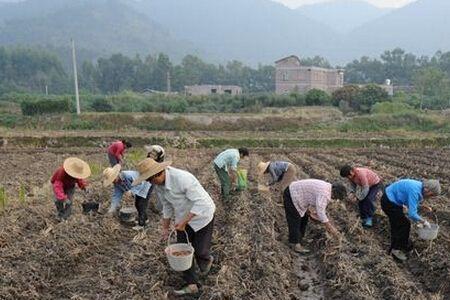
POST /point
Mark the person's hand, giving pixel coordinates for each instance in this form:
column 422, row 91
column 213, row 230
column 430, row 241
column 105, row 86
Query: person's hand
column 427, row 208
column 426, row 224
column 180, row 226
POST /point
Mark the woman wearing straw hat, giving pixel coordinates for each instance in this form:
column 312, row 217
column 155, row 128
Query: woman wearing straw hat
column 281, row 172
column 73, row 171
column 122, row 181
column 183, row 197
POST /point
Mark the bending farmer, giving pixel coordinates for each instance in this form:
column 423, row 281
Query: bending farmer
column 122, row 184
column 282, row 172
column 309, row 198
column 183, row 197
column 365, row 185
column 408, row 193
column 225, row 166
column 116, row 152
column 73, row 171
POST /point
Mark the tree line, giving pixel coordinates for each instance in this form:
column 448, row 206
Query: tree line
column 33, row 70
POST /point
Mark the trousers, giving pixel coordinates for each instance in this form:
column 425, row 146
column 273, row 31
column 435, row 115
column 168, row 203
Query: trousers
column 296, row 223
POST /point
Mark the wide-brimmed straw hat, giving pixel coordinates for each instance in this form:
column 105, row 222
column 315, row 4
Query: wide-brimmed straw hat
column 77, row 168
column 110, row 174
column 262, row 167
column 148, row 168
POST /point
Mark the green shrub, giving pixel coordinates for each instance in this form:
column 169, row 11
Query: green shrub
column 391, row 108
column 317, row 97
column 102, row 105
column 46, row 106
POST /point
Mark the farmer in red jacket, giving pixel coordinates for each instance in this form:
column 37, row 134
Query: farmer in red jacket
column 116, row 151
column 73, row 171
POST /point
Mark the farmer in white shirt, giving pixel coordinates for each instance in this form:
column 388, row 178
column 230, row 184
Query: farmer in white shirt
column 225, row 165
column 183, row 198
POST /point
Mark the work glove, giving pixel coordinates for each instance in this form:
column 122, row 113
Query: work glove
column 426, row 224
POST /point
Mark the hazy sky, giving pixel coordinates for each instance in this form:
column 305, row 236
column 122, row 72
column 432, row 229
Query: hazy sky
column 380, row 3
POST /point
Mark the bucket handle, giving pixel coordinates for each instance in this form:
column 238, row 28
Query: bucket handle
column 170, row 235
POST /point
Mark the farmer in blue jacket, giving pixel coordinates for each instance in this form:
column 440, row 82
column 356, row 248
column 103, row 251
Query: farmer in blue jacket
column 407, row 193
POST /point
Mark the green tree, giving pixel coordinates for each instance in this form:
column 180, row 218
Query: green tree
column 317, row 97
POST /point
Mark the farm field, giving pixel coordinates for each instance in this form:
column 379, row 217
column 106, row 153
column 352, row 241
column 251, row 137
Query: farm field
column 96, row 257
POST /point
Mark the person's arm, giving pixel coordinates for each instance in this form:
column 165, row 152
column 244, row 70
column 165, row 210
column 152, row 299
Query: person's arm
column 273, row 176
column 233, row 176
column 331, row 229
column 362, row 192
column 165, row 228
column 82, row 184
column 58, row 190
column 413, row 202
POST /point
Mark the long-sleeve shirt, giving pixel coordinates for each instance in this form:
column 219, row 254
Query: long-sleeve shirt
column 364, row 178
column 117, row 149
column 311, row 193
column 409, row 193
column 125, row 185
column 228, row 159
column 62, row 182
column 276, row 170
column 182, row 194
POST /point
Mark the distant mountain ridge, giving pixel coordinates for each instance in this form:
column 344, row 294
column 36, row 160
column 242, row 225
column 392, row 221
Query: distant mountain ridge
column 343, row 15
column 252, row 31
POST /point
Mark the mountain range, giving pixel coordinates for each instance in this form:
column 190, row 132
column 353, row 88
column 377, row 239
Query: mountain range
column 253, row 31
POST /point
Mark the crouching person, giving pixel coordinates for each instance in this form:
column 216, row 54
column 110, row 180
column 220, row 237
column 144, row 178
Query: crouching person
column 73, row 171
column 366, row 185
column 184, row 198
column 406, row 193
column 281, row 172
column 122, row 184
column 309, row 198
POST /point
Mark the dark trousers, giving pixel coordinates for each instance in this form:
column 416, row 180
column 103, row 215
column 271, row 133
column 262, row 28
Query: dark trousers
column 225, row 182
column 296, row 223
column 201, row 241
column 112, row 160
column 400, row 224
column 64, row 208
column 141, row 205
column 367, row 205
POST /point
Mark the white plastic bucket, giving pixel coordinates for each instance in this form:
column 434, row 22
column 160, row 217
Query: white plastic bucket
column 183, row 262
column 428, row 233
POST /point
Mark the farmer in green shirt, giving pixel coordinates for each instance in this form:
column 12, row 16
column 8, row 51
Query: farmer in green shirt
column 225, row 165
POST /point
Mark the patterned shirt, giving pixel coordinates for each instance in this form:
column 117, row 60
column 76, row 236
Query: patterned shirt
column 365, row 177
column 276, row 170
column 127, row 177
column 311, row 193
column 182, row 194
column 406, row 192
column 228, row 159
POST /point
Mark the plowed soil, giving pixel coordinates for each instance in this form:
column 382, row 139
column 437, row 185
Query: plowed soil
column 97, row 257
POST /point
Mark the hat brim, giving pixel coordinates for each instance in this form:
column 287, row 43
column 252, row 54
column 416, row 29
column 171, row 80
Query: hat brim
column 263, row 170
column 144, row 176
column 110, row 179
column 85, row 172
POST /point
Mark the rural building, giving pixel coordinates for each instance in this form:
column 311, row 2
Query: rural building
column 291, row 76
column 201, row 90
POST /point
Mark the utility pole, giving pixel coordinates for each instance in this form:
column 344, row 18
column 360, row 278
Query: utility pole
column 75, row 75
column 46, row 90
column 169, row 87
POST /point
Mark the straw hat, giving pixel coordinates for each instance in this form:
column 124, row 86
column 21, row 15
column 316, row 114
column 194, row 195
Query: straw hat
column 149, row 167
column 262, row 167
column 77, row 168
column 110, row 174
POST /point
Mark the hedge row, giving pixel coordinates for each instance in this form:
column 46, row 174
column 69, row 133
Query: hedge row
column 46, row 106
